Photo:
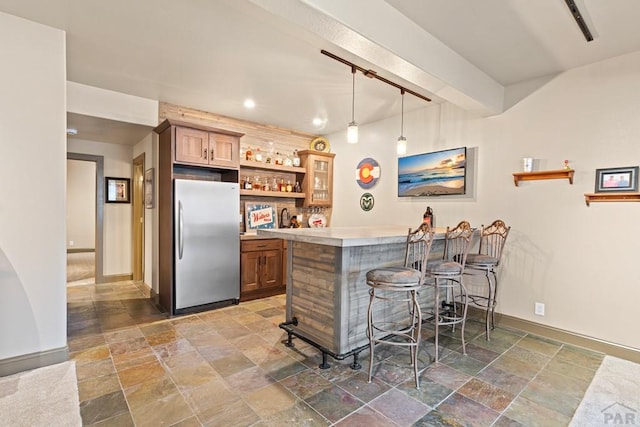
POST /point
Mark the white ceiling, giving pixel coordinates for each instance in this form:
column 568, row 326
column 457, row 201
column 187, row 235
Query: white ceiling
column 212, row 54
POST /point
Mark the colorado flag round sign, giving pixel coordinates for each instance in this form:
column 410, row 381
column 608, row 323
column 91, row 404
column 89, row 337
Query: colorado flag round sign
column 367, row 173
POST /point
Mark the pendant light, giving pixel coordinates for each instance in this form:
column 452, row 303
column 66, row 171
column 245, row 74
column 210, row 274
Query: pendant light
column 352, row 129
column 401, row 147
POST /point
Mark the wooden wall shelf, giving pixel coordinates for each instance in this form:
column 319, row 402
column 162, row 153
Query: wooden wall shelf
column 611, row 197
column 271, row 167
column 535, row 176
column 280, row 194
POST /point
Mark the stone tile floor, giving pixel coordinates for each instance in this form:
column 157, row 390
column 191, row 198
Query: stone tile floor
column 229, row 367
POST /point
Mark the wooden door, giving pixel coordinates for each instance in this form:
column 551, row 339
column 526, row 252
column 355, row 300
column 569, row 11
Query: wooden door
column 192, row 146
column 137, row 201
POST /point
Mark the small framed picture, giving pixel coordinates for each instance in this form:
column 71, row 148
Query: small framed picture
column 148, row 188
column 118, row 190
column 617, row 179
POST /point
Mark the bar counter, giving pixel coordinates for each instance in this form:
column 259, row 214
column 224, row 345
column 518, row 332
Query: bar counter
column 327, row 294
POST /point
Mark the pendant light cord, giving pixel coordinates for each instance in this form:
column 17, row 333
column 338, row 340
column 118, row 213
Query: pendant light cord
column 353, row 93
column 402, row 114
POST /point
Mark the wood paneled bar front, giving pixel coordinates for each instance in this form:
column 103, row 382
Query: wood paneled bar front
column 327, row 294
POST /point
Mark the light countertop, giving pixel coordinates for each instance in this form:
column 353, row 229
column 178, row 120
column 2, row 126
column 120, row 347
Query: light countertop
column 345, row 236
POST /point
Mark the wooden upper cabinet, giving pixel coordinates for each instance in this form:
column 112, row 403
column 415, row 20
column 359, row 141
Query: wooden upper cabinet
column 224, row 150
column 203, row 146
column 317, row 183
column 192, row 146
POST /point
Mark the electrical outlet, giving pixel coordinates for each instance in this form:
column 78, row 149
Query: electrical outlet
column 71, row 243
column 539, row 309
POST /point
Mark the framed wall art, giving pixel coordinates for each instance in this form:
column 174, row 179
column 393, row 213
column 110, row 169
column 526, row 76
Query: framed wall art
column 617, row 179
column 148, row 188
column 118, row 190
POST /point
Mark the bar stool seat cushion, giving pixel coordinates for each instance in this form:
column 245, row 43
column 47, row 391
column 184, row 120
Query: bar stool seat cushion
column 481, row 259
column 394, row 275
column 444, row 267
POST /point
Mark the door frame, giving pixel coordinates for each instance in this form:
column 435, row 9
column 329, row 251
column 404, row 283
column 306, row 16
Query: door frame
column 99, row 224
column 138, row 219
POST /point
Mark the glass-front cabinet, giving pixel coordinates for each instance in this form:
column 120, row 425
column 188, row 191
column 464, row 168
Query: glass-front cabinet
column 318, row 181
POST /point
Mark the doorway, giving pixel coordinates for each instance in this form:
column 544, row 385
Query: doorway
column 85, row 261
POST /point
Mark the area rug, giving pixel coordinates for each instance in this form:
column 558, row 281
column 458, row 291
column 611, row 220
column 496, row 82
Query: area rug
column 613, row 397
column 42, row 397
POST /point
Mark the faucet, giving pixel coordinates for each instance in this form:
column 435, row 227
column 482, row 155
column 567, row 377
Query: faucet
column 284, row 218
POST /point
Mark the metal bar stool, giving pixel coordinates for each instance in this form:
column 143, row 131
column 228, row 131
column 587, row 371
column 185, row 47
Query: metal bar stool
column 487, row 260
column 391, row 287
column 447, row 274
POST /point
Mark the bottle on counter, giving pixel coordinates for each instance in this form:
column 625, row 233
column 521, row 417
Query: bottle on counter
column 296, row 188
column 427, row 218
column 289, row 186
column 296, row 158
column 288, row 161
column 258, row 155
column 248, row 154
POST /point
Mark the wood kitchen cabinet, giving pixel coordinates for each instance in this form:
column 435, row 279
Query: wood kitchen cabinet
column 207, row 148
column 197, row 145
column 317, row 183
column 194, row 152
column 261, row 262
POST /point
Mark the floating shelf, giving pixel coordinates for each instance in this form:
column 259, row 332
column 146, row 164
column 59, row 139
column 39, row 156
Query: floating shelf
column 611, row 197
column 271, row 167
column 280, row 194
column 535, row 176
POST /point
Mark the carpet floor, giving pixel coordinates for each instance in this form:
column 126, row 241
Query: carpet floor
column 42, row 397
column 613, row 397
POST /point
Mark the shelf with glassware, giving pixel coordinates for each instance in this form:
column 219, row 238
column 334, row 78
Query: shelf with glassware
column 317, row 183
column 268, row 180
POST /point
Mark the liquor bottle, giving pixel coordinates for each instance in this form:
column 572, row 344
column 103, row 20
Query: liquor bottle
column 296, row 188
column 247, row 183
column 427, row 218
column 258, row 155
column 249, row 154
column 296, row 158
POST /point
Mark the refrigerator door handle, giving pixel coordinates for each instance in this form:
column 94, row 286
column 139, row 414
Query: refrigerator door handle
column 180, row 230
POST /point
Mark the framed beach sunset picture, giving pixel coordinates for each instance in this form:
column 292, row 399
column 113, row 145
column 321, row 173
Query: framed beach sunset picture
column 438, row 173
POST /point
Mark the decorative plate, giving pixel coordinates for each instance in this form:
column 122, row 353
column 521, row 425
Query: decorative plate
column 366, row 202
column 367, row 173
column 320, row 144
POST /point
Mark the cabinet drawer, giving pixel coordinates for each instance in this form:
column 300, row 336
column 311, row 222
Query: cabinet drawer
column 260, row 245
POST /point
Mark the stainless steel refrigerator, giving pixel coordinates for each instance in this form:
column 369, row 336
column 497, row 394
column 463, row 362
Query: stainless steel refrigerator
column 207, row 243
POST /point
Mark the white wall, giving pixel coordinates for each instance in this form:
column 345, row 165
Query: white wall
column 117, row 216
column 81, row 204
column 32, row 170
column 578, row 260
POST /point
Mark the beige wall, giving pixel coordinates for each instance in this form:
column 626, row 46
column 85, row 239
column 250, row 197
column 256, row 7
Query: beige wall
column 578, row 260
column 32, row 172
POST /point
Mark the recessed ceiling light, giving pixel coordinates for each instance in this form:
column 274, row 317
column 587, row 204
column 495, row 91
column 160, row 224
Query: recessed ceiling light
column 249, row 103
column 72, row 131
column 317, row 121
